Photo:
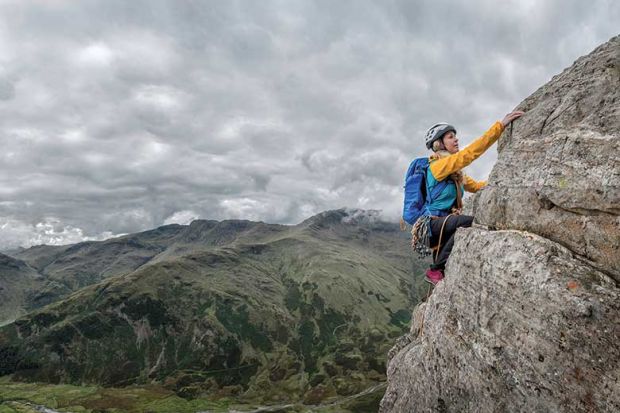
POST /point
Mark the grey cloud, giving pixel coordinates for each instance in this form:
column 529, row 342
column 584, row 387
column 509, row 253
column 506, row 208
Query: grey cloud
column 7, row 89
column 120, row 116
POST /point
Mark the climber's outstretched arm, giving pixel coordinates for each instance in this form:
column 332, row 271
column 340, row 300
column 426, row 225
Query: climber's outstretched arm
column 444, row 167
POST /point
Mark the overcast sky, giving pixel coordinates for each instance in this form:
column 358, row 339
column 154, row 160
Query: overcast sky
column 120, row 116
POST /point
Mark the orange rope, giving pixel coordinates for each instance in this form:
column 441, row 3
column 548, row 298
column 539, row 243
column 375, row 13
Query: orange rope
column 441, row 236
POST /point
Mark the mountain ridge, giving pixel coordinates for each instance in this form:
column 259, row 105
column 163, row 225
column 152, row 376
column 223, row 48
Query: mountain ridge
column 281, row 312
column 67, row 268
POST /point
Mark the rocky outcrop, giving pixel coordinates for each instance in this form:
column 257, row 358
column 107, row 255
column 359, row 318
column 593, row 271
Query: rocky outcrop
column 558, row 174
column 527, row 327
column 528, row 317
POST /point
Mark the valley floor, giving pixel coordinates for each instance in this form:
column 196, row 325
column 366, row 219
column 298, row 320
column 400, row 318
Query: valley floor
column 16, row 397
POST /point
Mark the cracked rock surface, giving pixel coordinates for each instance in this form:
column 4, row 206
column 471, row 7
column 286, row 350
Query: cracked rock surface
column 558, row 169
column 528, row 316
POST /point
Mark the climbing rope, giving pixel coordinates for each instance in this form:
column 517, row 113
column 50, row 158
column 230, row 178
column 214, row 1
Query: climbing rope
column 441, row 237
column 420, row 236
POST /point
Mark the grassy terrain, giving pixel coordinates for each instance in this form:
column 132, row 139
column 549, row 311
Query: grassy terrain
column 24, row 397
column 16, row 396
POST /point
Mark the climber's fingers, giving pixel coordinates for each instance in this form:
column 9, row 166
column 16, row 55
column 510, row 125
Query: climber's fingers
column 512, row 116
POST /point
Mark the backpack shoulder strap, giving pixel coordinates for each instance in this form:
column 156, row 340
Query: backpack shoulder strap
column 438, row 189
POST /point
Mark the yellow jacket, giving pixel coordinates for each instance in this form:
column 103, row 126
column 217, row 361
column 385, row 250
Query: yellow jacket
column 444, row 167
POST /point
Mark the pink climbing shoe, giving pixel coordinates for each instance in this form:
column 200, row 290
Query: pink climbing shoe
column 433, row 276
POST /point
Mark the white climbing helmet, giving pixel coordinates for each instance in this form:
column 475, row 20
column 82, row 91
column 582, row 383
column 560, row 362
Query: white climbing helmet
column 436, row 131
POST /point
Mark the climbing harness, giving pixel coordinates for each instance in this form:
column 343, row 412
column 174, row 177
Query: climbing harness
column 421, row 233
column 420, row 236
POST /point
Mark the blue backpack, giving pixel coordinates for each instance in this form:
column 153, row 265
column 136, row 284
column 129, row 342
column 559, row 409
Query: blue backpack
column 416, row 201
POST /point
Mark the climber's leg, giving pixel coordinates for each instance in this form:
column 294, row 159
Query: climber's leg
column 447, row 237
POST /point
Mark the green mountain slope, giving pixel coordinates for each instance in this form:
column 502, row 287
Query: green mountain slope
column 65, row 269
column 266, row 312
column 53, row 272
column 17, row 281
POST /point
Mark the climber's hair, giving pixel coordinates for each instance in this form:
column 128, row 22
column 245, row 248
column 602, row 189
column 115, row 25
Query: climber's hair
column 438, row 145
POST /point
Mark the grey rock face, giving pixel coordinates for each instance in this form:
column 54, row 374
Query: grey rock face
column 519, row 325
column 528, row 317
column 558, row 170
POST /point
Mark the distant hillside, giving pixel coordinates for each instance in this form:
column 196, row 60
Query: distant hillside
column 65, row 269
column 272, row 312
column 17, row 279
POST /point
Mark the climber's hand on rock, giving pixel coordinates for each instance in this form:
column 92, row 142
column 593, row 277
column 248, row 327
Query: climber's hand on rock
column 511, row 116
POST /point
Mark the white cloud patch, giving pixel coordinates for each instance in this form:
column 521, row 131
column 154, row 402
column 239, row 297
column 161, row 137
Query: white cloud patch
column 244, row 208
column 50, row 231
column 181, row 218
column 95, row 55
column 361, row 216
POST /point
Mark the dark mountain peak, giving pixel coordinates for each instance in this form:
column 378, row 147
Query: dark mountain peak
column 235, row 225
column 209, row 232
column 346, row 217
column 202, row 224
column 325, row 219
column 164, row 232
column 10, row 267
column 43, row 248
column 10, row 262
column 11, row 252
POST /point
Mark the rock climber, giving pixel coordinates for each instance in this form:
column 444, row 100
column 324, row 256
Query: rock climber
column 447, row 162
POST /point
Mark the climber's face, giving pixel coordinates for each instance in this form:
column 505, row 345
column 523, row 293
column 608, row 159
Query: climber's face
column 451, row 142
